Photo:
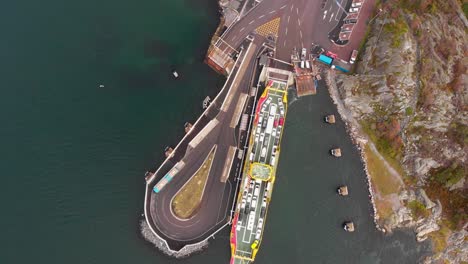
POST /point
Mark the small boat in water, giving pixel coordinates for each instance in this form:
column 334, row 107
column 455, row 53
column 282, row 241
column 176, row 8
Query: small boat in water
column 176, row 74
column 101, row 86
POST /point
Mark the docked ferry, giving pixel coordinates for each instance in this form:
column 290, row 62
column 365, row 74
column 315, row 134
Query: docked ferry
column 258, row 174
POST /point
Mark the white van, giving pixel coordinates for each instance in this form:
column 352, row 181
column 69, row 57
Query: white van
column 358, row 4
column 257, row 191
column 263, row 152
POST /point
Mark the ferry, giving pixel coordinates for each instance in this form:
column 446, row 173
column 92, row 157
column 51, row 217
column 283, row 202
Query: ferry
column 259, row 174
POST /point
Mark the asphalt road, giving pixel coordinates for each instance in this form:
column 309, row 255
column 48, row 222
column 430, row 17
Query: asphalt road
column 303, row 22
column 214, row 207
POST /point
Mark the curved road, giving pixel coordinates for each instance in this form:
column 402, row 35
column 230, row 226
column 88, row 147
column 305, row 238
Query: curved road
column 214, row 206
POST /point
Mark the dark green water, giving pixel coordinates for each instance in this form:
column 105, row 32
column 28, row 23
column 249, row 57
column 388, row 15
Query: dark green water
column 73, row 155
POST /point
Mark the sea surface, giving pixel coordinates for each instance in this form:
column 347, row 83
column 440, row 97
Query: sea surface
column 73, row 155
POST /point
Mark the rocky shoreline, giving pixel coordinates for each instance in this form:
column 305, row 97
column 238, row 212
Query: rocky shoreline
column 160, row 243
column 359, row 140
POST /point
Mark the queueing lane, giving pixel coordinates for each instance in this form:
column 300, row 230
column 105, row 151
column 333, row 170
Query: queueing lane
column 214, row 205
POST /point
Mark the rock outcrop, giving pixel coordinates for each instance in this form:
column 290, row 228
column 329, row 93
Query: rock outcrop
column 409, row 96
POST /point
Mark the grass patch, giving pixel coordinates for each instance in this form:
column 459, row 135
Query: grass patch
column 450, row 175
column 465, row 9
column 384, row 208
column 382, row 179
column 390, row 151
column 418, row 209
column 397, row 30
column 454, row 203
column 439, row 238
column 409, row 111
column 188, row 199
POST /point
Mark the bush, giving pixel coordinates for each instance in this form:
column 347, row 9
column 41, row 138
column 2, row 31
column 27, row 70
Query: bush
column 409, row 111
column 417, row 209
column 450, row 175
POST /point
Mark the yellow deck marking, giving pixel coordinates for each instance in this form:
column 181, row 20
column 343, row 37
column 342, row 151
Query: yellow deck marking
column 269, row 28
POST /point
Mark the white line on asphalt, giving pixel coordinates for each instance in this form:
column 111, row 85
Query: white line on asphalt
column 283, row 7
column 298, row 22
column 324, row 14
column 261, row 16
column 289, row 18
column 297, row 11
column 291, row 7
column 331, row 17
column 251, row 22
column 284, row 43
column 272, row 11
column 286, row 31
column 300, row 32
column 241, row 29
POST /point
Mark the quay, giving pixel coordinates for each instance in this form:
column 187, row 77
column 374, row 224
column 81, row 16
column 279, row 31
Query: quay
column 265, row 52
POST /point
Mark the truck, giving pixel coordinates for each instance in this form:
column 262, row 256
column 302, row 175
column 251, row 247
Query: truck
column 325, row 59
column 270, row 123
column 264, row 150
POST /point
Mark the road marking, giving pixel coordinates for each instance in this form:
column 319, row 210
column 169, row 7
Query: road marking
column 284, row 43
column 331, row 17
column 286, row 31
column 324, row 14
column 261, row 16
column 298, row 22
column 297, row 11
column 300, row 32
column 272, row 11
column 289, row 18
column 251, row 22
column 241, row 29
column 291, row 7
column 283, row 7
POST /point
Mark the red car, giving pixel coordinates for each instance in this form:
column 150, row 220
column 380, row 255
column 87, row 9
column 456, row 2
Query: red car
column 275, row 124
column 281, row 121
column 331, row 54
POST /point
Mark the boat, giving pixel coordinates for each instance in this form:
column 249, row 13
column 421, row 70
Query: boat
column 259, row 174
column 176, row 74
column 101, row 86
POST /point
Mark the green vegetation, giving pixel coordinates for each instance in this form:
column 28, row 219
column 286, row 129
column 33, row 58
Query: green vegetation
column 454, row 203
column 450, row 175
column 409, row 111
column 459, row 133
column 382, row 179
column 397, row 30
column 385, row 136
column 465, row 9
column 188, row 199
column 439, row 238
column 418, row 209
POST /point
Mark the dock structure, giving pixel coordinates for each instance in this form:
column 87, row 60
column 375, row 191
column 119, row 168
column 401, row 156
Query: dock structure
column 336, row 152
column 304, row 71
column 343, row 190
column 330, row 119
column 218, row 125
column 188, row 126
column 168, row 151
column 348, row 226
